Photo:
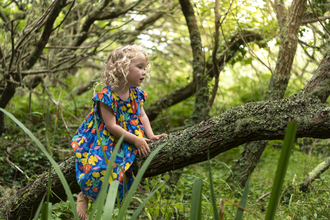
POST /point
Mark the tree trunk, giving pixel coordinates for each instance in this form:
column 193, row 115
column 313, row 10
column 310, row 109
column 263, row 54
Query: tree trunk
column 289, row 27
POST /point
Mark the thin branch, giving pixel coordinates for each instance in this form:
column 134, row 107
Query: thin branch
column 238, row 206
column 306, row 44
column 214, row 53
column 318, row 17
column 65, row 15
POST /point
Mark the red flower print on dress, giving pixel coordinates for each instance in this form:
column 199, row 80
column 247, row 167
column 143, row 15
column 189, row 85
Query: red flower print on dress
column 134, row 106
column 100, row 95
column 87, row 168
column 74, row 145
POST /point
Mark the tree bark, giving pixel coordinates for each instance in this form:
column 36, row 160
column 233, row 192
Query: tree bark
column 289, row 27
column 202, row 108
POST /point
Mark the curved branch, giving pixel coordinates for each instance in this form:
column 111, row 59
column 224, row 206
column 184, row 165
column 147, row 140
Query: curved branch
column 45, row 34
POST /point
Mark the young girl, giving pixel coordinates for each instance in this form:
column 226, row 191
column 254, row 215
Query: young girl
column 118, row 109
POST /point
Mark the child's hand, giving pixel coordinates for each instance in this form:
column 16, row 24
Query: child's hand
column 142, row 146
column 157, row 137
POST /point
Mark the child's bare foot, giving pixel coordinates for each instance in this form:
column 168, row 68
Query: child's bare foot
column 82, row 205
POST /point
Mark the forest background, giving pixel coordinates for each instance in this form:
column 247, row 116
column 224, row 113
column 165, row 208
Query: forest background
column 226, row 78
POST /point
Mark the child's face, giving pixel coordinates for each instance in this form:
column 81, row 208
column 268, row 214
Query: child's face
column 136, row 70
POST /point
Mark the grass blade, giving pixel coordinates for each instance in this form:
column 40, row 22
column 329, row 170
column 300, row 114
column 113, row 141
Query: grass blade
column 139, row 209
column 196, row 200
column 39, row 208
column 214, row 204
column 111, row 198
column 99, row 203
column 53, row 162
column 46, row 211
column 242, row 203
column 136, row 182
column 281, row 170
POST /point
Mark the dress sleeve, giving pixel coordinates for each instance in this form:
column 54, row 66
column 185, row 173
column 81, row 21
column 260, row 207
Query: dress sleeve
column 142, row 96
column 106, row 97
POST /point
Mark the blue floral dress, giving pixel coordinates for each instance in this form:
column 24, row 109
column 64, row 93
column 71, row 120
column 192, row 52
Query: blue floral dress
column 90, row 162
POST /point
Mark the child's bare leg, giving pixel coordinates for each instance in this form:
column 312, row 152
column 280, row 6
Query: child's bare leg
column 82, row 205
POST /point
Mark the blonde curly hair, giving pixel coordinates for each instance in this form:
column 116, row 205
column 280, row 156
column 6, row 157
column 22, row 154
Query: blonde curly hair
column 117, row 64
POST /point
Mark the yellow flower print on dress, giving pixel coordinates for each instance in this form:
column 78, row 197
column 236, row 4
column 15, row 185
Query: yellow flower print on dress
column 90, row 124
column 78, row 155
column 84, row 161
column 138, row 132
column 81, row 141
column 92, row 160
column 115, row 96
column 124, row 108
column 98, row 141
column 89, row 182
column 96, row 174
column 133, row 95
column 121, row 118
column 127, row 165
column 105, row 132
column 112, row 177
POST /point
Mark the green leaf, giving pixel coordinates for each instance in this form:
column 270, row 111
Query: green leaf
column 111, row 198
column 196, row 200
column 46, row 211
column 139, row 209
column 281, row 170
column 214, row 204
column 39, row 208
column 53, row 162
column 242, row 203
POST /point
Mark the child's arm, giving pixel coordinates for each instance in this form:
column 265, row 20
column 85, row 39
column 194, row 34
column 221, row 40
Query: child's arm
column 110, row 123
column 147, row 127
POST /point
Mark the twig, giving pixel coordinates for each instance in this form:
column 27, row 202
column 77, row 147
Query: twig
column 11, row 163
column 318, row 17
column 309, row 203
column 214, row 53
column 324, row 183
column 238, row 206
column 263, row 196
column 317, row 193
column 65, row 16
column 300, row 41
